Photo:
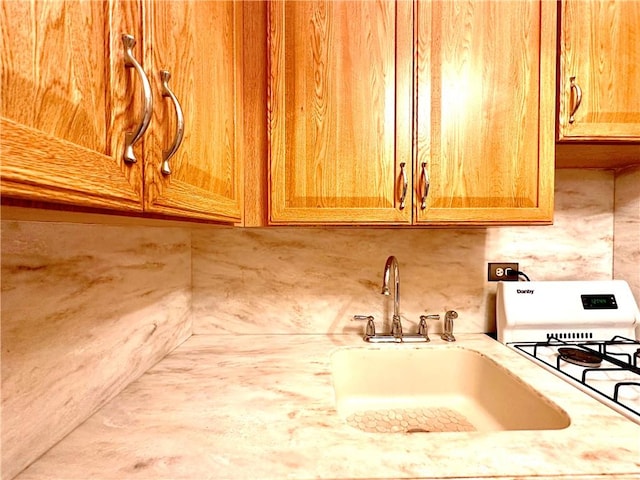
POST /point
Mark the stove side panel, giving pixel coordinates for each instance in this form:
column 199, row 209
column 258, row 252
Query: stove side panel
column 626, row 245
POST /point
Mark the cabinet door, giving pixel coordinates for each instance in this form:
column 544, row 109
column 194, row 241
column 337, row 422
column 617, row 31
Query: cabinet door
column 485, row 111
column 600, row 54
column 339, row 111
column 66, row 103
column 198, row 42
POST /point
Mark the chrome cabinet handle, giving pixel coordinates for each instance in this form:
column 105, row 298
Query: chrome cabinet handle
column 405, row 185
column 131, row 138
column 425, row 186
column 578, row 99
column 165, row 76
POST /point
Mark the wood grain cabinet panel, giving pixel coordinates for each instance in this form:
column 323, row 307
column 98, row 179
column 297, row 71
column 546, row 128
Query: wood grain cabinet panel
column 66, row 103
column 485, row 111
column 199, row 43
column 600, row 55
column 339, row 111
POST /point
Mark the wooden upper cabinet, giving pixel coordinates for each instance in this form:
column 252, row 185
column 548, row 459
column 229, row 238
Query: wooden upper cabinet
column 460, row 92
column 339, row 111
column 66, row 103
column 485, row 111
column 600, row 58
column 199, row 44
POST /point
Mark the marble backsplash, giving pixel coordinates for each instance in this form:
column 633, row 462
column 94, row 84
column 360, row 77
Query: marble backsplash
column 626, row 254
column 313, row 280
column 86, row 309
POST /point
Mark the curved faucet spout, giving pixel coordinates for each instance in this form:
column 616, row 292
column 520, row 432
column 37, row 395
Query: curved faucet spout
column 392, row 264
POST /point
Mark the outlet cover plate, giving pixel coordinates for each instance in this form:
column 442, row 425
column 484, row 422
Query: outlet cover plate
column 496, row 272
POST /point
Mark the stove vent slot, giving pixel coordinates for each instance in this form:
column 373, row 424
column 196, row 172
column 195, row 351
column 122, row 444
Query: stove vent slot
column 570, row 335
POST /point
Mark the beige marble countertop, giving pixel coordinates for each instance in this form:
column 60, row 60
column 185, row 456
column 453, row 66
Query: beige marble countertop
column 262, row 407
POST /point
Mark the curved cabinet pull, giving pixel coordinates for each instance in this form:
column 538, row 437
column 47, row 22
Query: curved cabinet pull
column 131, row 138
column 578, row 99
column 405, row 185
column 165, row 76
column 424, row 177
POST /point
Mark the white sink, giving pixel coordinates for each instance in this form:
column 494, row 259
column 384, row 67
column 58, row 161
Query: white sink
column 430, row 389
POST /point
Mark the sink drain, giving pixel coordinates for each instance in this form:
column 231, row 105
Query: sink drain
column 414, row 420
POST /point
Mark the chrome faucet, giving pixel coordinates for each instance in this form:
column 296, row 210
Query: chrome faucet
column 396, row 325
column 395, row 335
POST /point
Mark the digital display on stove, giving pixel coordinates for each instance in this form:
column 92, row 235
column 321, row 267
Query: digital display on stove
column 605, row 301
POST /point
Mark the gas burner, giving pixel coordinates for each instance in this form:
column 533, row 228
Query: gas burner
column 579, row 357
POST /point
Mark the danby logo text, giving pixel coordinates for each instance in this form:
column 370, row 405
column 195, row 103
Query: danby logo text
column 530, row 292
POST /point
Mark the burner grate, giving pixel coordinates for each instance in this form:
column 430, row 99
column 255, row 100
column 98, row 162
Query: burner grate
column 616, row 362
column 616, row 389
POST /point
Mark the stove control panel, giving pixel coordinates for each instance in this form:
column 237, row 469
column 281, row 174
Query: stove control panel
column 528, row 311
column 599, row 302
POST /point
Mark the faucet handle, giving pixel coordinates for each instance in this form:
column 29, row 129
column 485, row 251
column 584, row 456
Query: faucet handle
column 370, row 329
column 423, row 327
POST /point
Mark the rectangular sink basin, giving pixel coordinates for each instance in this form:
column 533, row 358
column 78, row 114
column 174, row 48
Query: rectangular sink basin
column 435, row 389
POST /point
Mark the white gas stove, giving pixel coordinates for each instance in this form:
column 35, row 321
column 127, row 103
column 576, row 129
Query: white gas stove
column 583, row 331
